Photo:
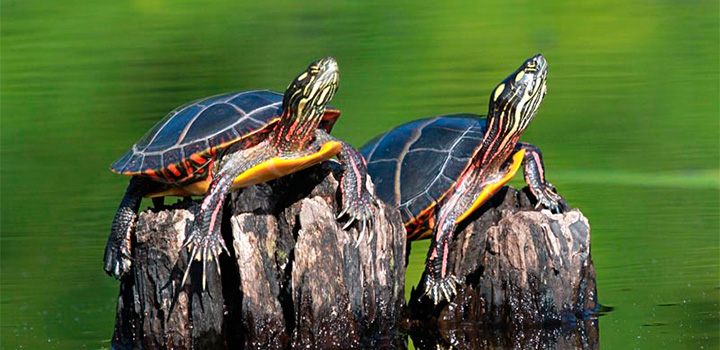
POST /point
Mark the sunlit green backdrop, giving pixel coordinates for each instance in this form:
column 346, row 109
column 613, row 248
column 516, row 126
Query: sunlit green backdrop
column 629, row 129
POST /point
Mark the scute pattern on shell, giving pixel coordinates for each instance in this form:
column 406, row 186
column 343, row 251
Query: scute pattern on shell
column 413, row 165
column 199, row 126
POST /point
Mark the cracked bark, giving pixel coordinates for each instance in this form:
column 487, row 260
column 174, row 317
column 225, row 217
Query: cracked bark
column 528, row 282
column 295, row 278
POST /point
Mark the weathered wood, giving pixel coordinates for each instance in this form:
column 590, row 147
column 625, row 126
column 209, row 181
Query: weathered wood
column 152, row 312
column 301, row 269
column 296, row 278
column 528, row 281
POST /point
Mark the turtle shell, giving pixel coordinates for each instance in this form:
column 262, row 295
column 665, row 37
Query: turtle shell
column 180, row 145
column 415, row 164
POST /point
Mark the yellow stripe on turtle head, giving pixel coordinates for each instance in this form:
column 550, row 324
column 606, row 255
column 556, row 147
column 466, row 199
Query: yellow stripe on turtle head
column 276, row 167
column 492, row 188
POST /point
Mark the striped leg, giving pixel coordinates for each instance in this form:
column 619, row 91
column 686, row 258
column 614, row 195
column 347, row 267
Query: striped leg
column 534, row 170
column 440, row 283
column 117, row 259
column 356, row 198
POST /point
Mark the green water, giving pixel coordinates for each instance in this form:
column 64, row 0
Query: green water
column 630, row 131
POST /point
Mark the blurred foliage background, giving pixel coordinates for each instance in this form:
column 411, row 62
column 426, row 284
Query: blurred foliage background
column 630, row 130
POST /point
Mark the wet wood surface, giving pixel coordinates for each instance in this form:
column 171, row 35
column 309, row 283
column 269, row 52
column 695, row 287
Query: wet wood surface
column 528, row 281
column 295, row 279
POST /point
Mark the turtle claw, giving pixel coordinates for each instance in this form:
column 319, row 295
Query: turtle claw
column 204, row 264
column 349, row 223
column 370, row 225
column 443, row 289
column 547, row 197
column 118, row 261
column 118, row 258
column 203, row 248
column 359, row 238
column 189, row 263
column 358, row 211
column 342, row 213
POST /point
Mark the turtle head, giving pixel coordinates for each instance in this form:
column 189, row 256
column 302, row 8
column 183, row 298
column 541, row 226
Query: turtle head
column 305, row 101
column 311, row 91
column 517, row 98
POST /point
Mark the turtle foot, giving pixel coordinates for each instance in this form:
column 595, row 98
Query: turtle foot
column 441, row 289
column 205, row 248
column 357, row 208
column 118, row 258
column 547, row 197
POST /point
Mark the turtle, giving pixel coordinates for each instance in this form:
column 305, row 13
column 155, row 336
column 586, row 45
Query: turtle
column 231, row 141
column 438, row 171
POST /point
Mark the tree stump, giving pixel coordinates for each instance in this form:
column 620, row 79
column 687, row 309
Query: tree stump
column 295, row 278
column 528, row 282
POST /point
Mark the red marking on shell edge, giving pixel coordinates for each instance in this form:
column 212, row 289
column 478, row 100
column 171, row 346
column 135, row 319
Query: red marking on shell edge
column 174, row 170
column 154, row 175
column 420, row 224
column 198, row 159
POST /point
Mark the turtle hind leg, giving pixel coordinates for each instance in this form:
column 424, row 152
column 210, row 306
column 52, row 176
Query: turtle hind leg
column 534, row 171
column 118, row 259
column 357, row 200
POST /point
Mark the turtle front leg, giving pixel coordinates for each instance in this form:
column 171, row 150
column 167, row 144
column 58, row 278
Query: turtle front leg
column 118, row 259
column 356, row 198
column 205, row 242
column 440, row 283
column 534, row 170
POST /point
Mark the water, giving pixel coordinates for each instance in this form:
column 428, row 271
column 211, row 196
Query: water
column 629, row 130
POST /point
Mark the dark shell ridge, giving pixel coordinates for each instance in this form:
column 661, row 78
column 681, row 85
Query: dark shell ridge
column 413, row 165
column 199, row 125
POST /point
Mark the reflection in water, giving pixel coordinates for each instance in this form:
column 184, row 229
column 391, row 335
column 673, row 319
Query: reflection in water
column 572, row 334
column 581, row 335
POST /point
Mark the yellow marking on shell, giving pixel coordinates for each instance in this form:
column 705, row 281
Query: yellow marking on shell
column 302, row 76
column 519, row 76
column 268, row 170
column 492, row 188
column 197, row 188
column 498, row 91
column 276, row 167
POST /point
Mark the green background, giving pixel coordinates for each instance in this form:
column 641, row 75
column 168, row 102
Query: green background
column 629, row 129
